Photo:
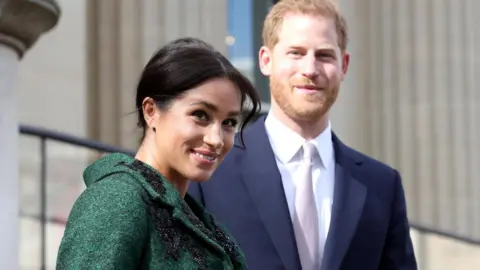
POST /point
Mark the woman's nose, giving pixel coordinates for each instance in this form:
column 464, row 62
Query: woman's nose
column 214, row 138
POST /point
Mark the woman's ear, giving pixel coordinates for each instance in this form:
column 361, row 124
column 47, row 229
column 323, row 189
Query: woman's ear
column 150, row 112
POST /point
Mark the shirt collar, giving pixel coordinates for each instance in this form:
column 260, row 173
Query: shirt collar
column 286, row 143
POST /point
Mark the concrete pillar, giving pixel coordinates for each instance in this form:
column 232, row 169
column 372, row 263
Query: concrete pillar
column 9, row 199
column 416, row 104
column 114, row 62
column 348, row 117
column 122, row 36
column 21, row 24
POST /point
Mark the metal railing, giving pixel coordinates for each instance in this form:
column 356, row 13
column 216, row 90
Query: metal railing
column 45, row 135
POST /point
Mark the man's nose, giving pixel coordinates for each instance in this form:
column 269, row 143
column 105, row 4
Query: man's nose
column 309, row 68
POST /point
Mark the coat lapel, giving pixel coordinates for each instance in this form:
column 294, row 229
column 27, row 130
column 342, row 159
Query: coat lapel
column 185, row 216
column 170, row 204
column 348, row 201
column 264, row 184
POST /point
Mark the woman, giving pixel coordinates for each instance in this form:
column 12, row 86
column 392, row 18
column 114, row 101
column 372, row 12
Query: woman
column 135, row 213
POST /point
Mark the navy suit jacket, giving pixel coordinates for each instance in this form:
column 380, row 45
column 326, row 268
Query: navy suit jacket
column 369, row 228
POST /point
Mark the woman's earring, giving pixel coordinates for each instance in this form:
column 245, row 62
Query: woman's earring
column 154, row 129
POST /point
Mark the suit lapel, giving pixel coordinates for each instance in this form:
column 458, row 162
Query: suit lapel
column 348, row 201
column 264, row 184
column 263, row 181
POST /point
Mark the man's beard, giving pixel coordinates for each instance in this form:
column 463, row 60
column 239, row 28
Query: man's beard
column 312, row 110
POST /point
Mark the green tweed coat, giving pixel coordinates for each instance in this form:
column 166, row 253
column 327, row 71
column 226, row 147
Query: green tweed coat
column 130, row 217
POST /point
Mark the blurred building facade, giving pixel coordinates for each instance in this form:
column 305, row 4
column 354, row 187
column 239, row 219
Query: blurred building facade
column 409, row 99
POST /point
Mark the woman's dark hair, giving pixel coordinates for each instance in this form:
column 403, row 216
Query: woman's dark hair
column 182, row 65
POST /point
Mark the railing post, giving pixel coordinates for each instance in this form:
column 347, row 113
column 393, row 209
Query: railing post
column 43, row 202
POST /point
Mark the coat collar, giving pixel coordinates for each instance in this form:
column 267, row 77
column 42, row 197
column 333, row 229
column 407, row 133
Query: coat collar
column 186, row 211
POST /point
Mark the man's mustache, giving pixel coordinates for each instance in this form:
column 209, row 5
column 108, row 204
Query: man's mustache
column 307, row 83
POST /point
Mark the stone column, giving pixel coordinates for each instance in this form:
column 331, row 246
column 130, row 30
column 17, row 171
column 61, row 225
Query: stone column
column 21, row 24
column 348, row 117
column 122, row 36
column 415, row 81
column 114, row 62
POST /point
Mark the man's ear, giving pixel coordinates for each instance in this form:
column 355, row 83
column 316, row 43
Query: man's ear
column 265, row 60
column 345, row 64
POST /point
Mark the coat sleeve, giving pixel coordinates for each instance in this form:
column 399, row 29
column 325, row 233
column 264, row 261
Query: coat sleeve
column 398, row 252
column 106, row 229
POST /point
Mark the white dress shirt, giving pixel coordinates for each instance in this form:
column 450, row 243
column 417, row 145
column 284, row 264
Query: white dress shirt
column 287, row 147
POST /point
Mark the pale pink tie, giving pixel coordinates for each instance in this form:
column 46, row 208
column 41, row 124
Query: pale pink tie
column 305, row 222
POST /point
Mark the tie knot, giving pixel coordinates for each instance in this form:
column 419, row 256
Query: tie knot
column 309, row 151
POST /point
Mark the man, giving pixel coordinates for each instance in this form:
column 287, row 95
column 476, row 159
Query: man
column 294, row 196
